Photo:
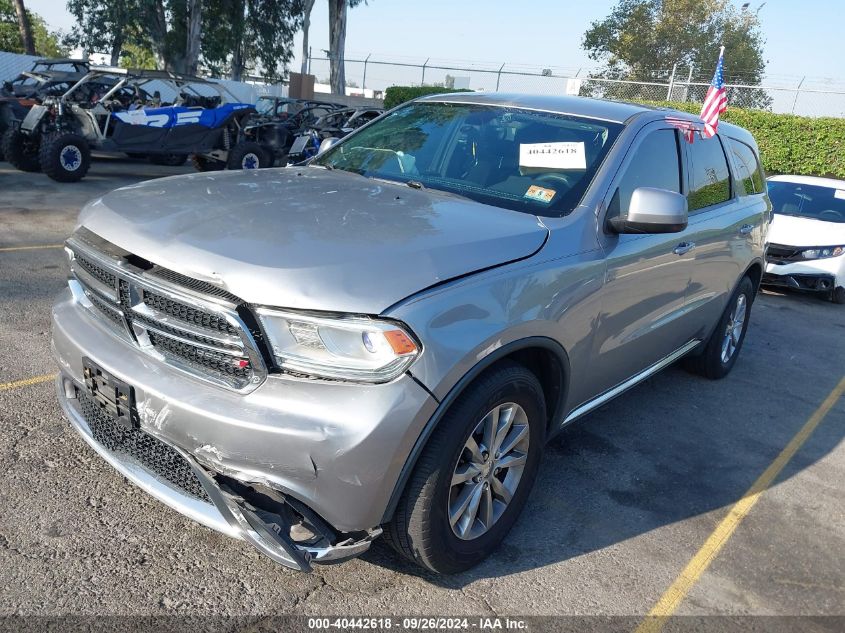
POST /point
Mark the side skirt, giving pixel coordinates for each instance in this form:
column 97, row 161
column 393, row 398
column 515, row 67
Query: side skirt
column 622, row 387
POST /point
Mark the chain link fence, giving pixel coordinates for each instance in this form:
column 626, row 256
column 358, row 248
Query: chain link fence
column 806, row 96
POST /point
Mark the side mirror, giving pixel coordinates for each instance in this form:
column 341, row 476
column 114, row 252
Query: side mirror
column 327, row 143
column 653, row 211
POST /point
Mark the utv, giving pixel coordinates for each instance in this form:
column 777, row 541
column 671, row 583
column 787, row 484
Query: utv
column 30, row 83
column 58, row 135
column 278, row 121
column 46, row 77
column 334, row 125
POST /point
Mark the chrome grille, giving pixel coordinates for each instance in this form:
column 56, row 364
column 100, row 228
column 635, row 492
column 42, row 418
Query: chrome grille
column 188, row 314
column 199, row 333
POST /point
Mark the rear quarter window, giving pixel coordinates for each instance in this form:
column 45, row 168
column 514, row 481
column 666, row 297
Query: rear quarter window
column 710, row 179
column 749, row 176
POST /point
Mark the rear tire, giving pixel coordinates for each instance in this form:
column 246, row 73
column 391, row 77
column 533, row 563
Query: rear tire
column 202, row 163
column 65, row 156
column 723, row 347
column 838, row 295
column 21, row 150
column 421, row 529
column 248, row 155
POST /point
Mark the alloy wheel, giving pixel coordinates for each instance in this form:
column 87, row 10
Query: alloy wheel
column 488, row 471
column 733, row 330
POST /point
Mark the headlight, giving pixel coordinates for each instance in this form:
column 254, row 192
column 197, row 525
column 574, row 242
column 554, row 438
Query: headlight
column 345, row 348
column 822, row 252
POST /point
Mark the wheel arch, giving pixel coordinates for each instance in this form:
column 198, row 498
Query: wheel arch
column 541, row 355
column 755, row 273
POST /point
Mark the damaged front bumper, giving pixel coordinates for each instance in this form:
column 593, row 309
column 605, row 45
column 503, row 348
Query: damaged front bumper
column 301, row 469
column 233, row 508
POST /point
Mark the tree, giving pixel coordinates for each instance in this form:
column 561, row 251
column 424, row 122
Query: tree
column 26, row 30
column 640, row 37
column 137, row 56
column 337, row 42
column 193, row 37
column 257, row 35
column 226, row 35
column 307, row 5
column 45, row 43
column 105, row 26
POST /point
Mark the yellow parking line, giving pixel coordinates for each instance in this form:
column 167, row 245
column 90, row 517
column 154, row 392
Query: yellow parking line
column 26, row 382
column 679, row 589
column 9, row 249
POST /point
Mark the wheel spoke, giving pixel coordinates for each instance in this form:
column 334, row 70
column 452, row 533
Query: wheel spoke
column 485, row 508
column 468, row 518
column 460, row 505
column 512, row 459
column 725, row 345
column 501, row 490
column 491, row 422
column 475, row 451
column 505, row 423
column 464, row 473
column 517, row 434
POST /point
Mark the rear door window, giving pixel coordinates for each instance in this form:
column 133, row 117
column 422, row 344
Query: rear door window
column 710, row 179
column 749, row 176
column 654, row 164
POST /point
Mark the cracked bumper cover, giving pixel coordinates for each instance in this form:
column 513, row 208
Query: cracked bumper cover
column 337, row 448
column 821, row 275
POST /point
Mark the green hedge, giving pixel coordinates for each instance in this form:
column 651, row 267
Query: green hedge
column 789, row 144
column 395, row 95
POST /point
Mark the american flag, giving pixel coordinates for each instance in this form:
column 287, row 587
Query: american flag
column 716, row 100
column 687, row 127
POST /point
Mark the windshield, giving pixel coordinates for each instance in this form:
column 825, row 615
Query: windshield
column 524, row 160
column 808, row 201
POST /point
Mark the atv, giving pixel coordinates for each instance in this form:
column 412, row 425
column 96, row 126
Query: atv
column 111, row 110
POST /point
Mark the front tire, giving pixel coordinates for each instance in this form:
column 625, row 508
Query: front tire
column 21, row 150
column 248, row 155
column 723, row 346
column 474, row 475
column 838, row 295
column 65, row 157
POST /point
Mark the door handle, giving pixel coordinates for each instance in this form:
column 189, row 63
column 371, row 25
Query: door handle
column 745, row 229
column 683, row 248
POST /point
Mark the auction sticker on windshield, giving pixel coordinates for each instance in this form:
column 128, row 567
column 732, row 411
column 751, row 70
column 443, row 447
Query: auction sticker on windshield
column 551, row 156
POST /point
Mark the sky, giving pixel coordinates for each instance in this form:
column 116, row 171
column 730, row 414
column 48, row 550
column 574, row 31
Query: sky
column 802, row 37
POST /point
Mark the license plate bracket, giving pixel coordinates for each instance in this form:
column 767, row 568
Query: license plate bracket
column 115, row 397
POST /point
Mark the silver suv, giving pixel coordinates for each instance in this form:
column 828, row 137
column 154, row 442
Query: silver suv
column 385, row 339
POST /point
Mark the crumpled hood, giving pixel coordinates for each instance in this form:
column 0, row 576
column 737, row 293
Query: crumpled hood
column 791, row 230
column 309, row 238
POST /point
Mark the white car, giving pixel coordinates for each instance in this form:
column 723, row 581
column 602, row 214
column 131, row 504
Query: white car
column 806, row 242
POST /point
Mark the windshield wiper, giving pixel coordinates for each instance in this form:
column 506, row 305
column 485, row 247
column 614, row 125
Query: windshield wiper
column 415, row 184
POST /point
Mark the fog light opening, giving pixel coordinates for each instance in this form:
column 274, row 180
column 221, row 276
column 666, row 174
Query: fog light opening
column 281, row 514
